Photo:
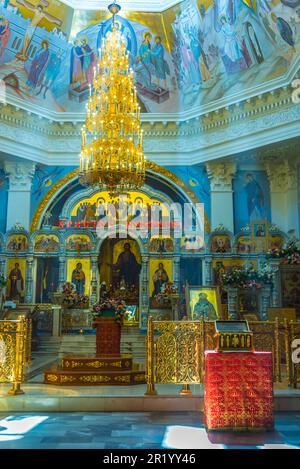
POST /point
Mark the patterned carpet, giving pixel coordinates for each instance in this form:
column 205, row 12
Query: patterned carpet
column 135, row 430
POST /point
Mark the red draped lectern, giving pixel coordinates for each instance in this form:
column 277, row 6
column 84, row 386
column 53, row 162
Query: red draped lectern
column 108, row 336
column 238, row 390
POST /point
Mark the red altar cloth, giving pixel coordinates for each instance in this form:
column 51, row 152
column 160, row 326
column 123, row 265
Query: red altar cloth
column 238, row 390
column 108, row 336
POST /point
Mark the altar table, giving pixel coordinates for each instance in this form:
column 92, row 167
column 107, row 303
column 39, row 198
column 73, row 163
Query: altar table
column 238, row 390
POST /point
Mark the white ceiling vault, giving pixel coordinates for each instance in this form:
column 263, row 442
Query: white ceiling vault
column 127, row 5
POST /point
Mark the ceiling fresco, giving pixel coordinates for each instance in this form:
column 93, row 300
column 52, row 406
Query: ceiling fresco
column 196, row 55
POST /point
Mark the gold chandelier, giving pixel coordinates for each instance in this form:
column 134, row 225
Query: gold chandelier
column 112, row 140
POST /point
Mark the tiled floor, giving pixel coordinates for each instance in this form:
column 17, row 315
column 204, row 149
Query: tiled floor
column 135, row 430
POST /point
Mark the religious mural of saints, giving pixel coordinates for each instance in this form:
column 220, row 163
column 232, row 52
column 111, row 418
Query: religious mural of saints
column 78, row 278
column 16, row 283
column 38, row 65
column 160, row 278
column 127, row 267
column 82, row 63
column 51, row 72
column 17, row 244
column 220, row 244
column 39, row 14
column 127, row 31
column 204, row 309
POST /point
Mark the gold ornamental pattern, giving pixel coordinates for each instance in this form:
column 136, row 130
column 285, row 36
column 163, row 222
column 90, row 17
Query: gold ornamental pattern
column 178, row 351
column 15, row 351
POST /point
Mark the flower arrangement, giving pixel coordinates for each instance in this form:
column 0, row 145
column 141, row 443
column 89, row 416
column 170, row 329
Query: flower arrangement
column 117, row 306
column 167, row 290
column 247, row 277
column 290, row 254
column 71, row 299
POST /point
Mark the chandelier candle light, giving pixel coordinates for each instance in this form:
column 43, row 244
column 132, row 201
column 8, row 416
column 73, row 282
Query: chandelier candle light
column 112, row 140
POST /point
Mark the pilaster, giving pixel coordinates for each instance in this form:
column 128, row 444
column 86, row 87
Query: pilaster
column 221, row 176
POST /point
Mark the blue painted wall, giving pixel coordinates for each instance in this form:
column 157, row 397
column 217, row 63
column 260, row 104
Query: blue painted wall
column 196, row 178
column 44, row 178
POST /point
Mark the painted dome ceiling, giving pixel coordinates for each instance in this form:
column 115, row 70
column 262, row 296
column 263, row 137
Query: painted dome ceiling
column 189, row 57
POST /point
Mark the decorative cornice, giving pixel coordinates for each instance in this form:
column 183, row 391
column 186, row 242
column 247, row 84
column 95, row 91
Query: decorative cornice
column 264, row 120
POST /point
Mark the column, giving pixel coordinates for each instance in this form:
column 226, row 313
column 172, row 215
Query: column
column 265, row 302
column 176, row 272
column 18, row 204
column 94, row 289
column 2, row 266
column 56, row 325
column 29, row 281
column 232, row 302
column 144, row 292
column 62, row 274
column 283, row 188
column 208, row 273
column 220, row 176
column 276, row 289
column 2, row 290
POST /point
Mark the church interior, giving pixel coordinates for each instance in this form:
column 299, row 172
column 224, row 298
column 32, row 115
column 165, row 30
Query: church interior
column 149, row 224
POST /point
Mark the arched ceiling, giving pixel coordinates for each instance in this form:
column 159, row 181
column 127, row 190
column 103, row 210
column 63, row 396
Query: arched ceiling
column 189, row 57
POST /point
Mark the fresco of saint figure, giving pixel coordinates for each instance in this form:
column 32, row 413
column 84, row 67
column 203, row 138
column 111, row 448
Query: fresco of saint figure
column 82, row 63
column 233, row 49
column 38, row 65
column 51, row 73
column 4, row 34
column 160, row 64
column 255, row 198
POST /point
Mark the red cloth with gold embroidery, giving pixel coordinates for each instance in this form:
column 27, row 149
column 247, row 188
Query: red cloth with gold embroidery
column 238, row 390
column 108, row 336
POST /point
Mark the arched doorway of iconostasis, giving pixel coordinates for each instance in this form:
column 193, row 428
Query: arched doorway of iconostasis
column 119, row 264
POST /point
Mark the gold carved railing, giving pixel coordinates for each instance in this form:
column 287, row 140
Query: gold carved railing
column 175, row 350
column 15, row 349
column 291, row 333
column 174, row 353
